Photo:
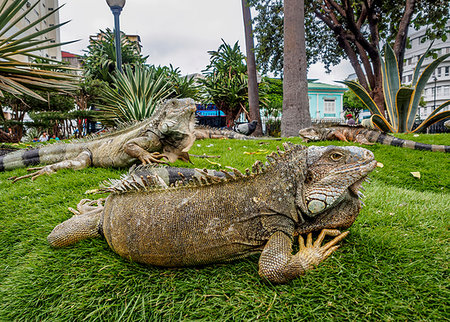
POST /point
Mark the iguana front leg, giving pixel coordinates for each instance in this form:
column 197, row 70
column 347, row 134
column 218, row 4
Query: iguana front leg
column 85, row 224
column 83, row 160
column 139, row 148
column 277, row 263
column 340, row 136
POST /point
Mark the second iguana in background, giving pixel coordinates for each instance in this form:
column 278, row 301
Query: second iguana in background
column 363, row 135
column 168, row 134
column 211, row 220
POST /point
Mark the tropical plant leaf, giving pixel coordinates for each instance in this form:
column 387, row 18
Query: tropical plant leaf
column 362, row 94
column 22, row 78
column 138, row 90
column 402, row 100
column 435, row 116
column 381, row 123
column 419, row 66
column 422, row 81
column 391, row 84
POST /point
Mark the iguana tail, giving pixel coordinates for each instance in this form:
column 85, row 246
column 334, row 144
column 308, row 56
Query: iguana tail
column 206, row 132
column 48, row 154
column 379, row 137
column 171, row 175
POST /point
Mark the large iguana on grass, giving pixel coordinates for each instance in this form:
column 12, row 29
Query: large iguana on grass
column 299, row 191
column 363, row 135
column 168, row 134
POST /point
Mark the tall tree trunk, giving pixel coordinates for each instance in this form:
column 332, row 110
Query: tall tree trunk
column 295, row 85
column 253, row 96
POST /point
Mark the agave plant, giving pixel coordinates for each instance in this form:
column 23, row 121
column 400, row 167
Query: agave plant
column 18, row 77
column 138, row 90
column 401, row 103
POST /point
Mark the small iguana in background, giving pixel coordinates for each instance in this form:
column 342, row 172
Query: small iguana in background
column 206, row 132
column 211, row 220
column 168, row 134
column 363, row 135
column 5, row 149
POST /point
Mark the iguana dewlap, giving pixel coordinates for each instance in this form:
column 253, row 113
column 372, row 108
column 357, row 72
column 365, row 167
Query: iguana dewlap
column 220, row 219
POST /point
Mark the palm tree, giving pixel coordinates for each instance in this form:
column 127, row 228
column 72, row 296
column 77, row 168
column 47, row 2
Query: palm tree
column 253, row 95
column 23, row 78
column 100, row 60
column 295, row 84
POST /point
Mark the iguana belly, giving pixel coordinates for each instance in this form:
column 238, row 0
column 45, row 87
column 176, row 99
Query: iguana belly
column 187, row 227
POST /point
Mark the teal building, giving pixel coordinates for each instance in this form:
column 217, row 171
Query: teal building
column 325, row 101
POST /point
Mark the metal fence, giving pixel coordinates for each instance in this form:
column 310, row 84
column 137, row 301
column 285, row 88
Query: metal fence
column 437, row 127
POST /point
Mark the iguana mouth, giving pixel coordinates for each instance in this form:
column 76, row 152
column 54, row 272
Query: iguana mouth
column 354, row 188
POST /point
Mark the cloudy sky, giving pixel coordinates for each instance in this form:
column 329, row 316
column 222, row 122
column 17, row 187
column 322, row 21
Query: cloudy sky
column 176, row 32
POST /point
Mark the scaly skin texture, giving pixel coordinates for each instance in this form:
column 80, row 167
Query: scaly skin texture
column 363, row 135
column 168, row 134
column 205, row 132
column 301, row 190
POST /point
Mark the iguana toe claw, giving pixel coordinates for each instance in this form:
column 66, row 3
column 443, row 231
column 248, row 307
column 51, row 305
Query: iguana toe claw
column 313, row 254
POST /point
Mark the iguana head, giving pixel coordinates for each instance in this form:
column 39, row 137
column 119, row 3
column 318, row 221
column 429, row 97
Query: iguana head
column 314, row 134
column 177, row 128
column 332, row 175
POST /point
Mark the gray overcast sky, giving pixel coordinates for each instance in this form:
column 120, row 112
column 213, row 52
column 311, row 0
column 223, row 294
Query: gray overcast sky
column 176, row 32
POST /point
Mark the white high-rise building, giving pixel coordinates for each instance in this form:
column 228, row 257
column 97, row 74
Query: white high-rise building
column 43, row 8
column 437, row 90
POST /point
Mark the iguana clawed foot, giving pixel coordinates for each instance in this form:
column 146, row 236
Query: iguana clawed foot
column 38, row 171
column 311, row 254
column 155, row 157
column 86, row 205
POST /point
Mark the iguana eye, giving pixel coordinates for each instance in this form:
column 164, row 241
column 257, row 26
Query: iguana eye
column 336, row 156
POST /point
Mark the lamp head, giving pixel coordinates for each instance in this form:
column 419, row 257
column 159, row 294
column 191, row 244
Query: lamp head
column 116, row 3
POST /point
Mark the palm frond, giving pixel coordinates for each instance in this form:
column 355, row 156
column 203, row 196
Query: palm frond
column 22, row 78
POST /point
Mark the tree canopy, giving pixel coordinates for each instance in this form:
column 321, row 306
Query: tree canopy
column 337, row 29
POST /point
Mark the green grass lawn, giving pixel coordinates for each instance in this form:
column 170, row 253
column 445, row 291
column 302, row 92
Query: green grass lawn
column 392, row 266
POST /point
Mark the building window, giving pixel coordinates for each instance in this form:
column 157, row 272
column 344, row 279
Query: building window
column 446, row 90
column 438, row 91
column 447, row 70
column 409, row 78
column 439, row 72
column 329, row 106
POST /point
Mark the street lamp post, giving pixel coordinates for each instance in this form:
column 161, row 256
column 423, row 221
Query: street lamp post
column 435, row 80
column 116, row 8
